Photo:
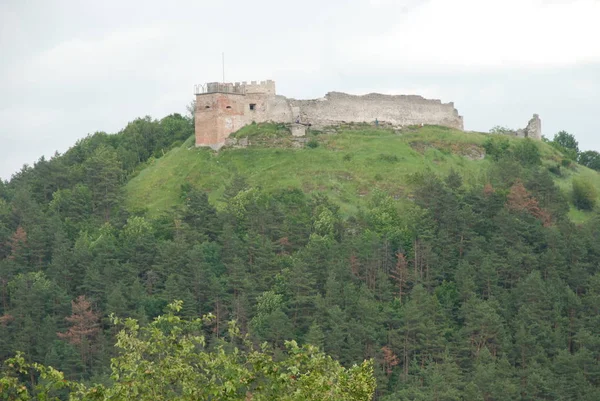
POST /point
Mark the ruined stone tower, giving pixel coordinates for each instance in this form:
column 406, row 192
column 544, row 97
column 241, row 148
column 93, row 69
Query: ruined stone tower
column 533, row 129
column 223, row 108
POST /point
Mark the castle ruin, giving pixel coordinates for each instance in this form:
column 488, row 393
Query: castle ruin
column 223, row 108
column 533, row 129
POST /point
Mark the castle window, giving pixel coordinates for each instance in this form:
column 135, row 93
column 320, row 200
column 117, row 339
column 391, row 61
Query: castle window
column 228, row 107
column 252, row 106
column 207, row 107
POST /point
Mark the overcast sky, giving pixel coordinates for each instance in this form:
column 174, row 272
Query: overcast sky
column 70, row 68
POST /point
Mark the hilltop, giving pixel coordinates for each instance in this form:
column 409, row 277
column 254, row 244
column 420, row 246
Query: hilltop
column 347, row 163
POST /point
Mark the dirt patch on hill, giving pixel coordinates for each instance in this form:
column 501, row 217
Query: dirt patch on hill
column 468, row 150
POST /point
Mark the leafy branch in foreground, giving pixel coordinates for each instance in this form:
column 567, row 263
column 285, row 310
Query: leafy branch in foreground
column 169, row 359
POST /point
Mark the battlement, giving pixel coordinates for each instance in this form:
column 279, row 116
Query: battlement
column 218, row 87
column 253, row 87
column 266, row 87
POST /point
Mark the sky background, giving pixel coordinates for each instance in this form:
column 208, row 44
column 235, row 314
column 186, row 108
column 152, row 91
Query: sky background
column 71, row 68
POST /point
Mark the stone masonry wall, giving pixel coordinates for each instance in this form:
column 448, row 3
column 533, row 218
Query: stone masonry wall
column 533, row 129
column 219, row 114
column 338, row 107
column 267, row 87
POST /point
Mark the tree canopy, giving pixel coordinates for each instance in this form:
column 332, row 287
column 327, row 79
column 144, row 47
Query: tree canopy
column 470, row 287
column 171, row 359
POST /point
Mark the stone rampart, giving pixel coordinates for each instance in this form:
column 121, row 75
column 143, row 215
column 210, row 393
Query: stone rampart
column 401, row 110
column 223, row 108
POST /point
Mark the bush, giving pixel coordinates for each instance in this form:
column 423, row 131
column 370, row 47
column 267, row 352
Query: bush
column 555, row 169
column 313, row 143
column 168, row 359
column 566, row 144
column 527, row 153
column 498, row 130
column 584, row 194
column 590, row 159
column 565, row 140
column 497, row 147
column 176, row 144
column 386, row 157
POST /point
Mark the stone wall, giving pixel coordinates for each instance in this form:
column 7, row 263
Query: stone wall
column 401, row 110
column 219, row 114
column 268, row 108
column 266, row 87
column 533, row 129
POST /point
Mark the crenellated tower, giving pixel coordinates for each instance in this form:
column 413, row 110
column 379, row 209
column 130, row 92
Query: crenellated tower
column 223, row 108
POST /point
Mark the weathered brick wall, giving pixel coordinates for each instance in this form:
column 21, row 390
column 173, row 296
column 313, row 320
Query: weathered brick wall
column 217, row 116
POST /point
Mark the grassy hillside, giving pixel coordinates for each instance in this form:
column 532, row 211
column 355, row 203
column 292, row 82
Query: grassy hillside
column 346, row 164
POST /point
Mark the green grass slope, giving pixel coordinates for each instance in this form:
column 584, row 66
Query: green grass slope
column 346, row 165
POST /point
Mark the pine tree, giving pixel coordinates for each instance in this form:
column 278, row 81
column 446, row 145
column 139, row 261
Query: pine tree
column 84, row 328
column 103, row 177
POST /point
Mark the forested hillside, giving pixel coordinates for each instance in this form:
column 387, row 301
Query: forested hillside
column 461, row 278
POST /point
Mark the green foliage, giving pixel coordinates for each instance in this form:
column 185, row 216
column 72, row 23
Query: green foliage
column 460, row 278
column 312, row 143
column 170, row 360
column 270, row 322
column 499, row 130
column 584, row 195
column 555, row 169
column 566, row 144
column 263, row 131
column 525, row 151
column 528, row 153
column 496, row 147
column 386, row 157
column 590, row 159
column 454, row 180
column 322, row 169
column 564, row 140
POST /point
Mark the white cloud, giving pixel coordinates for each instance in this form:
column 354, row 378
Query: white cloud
column 70, row 67
column 80, row 59
column 476, row 34
column 427, row 91
column 29, row 121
